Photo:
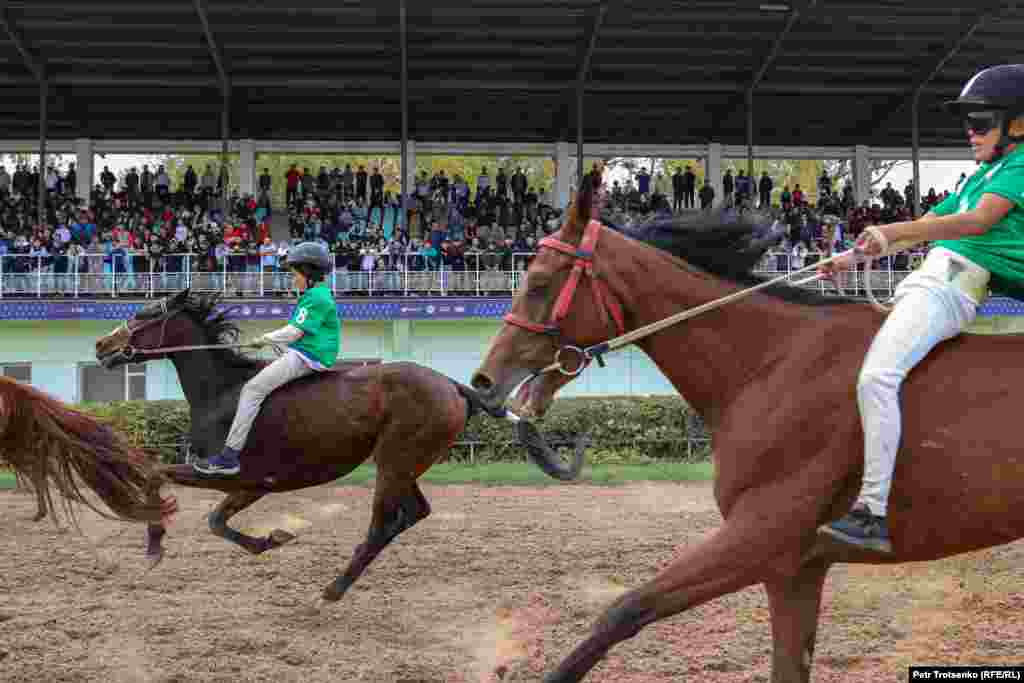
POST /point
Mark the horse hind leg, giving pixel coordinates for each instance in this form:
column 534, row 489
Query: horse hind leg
column 794, row 604
column 736, row 556
column 231, row 506
column 396, row 507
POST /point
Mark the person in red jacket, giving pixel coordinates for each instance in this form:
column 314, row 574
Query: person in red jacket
column 292, row 178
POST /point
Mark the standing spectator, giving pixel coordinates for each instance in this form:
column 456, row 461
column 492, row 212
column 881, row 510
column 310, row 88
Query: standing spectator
column 786, row 198
column 71, row 181
column 728, row 186
column 206, row 182
column 643, row 181
column 291, row 184
column 798, row 197
column 348, row 183
column 483, row 184
column 361, row 184
column 222, row 181
column 824, row 185
column 190, row 181
column 107, row 179
column 677, row 190
column 147, row 185
column 764, row 190
column 689, row 188
column 707, row 196
column 377, row 189
column 163, row 183
column 502, row 184
column 518, row 185
column 265, row 183
column 131, row 184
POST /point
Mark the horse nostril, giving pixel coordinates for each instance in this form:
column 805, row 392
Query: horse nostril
column 481, row 382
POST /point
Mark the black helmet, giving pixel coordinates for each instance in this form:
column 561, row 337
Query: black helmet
column 997, row 88
column 311, row 254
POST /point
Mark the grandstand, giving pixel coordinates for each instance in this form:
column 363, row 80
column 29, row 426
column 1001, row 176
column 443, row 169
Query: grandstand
column 425, row 275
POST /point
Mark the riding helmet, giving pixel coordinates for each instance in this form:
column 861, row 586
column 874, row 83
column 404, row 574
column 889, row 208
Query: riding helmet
column 310, row 258
column 997, row 88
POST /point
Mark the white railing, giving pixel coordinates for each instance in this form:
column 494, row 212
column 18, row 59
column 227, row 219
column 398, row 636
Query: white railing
column 488, row 274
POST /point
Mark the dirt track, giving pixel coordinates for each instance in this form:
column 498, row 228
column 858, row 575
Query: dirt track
column 502, row 580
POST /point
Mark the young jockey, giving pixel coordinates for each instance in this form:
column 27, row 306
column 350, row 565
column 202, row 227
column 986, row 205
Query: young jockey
column 979, row 237
column 313, row 336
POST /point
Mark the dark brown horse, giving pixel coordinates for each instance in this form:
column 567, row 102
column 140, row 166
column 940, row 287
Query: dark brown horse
column 309, row 432
column 774, row 376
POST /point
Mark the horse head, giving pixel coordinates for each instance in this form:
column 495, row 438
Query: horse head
column 563, row 305
column 162, row 324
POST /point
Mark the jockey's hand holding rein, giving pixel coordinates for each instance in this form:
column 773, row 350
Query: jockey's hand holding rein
column 880, row 240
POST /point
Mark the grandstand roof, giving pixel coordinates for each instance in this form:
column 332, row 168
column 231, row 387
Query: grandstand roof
column 660, row 71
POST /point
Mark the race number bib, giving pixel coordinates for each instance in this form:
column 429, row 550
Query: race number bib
column 301, row 317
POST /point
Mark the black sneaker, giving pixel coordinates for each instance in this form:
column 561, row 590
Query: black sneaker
column 225, row 464
column 862, row 529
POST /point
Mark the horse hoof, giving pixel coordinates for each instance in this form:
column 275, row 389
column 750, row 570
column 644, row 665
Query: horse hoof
column 153, row 559
column 279, row 537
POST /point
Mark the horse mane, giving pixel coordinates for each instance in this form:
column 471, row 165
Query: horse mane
column 49, row 444
column 728, row 247
column 219, row 329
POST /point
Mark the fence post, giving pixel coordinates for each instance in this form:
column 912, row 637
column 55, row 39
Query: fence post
column 39, row 277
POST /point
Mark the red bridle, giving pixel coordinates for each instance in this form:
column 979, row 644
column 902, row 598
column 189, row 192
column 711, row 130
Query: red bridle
column 609, row 306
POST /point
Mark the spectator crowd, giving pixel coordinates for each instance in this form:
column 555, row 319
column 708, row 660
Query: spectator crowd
column 140, row 234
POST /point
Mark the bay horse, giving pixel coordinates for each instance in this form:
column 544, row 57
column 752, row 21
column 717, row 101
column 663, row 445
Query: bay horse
column 309, row 432
column 774, row 377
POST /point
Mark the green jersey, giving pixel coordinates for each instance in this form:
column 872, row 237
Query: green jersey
column 1001, row 249
column 316, row 315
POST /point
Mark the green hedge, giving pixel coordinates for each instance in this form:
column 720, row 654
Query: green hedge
column 620, row 429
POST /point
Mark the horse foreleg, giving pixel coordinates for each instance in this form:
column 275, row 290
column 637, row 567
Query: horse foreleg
column 393, row 513
column 736, row 556
column 231, row 506
column 794, row 603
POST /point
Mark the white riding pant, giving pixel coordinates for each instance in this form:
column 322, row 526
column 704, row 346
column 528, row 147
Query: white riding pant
column 936, row 302
column 283, row 370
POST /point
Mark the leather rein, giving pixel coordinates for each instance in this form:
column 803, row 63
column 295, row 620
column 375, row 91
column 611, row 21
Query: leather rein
column 611, row 308
column 130, row 351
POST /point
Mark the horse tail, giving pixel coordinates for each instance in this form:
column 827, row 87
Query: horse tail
column 59, row 448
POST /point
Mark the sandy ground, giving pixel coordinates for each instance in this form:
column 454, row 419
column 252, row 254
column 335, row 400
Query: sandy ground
column 498, row 584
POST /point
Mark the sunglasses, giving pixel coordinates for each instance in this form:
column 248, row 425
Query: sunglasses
column 980, row 123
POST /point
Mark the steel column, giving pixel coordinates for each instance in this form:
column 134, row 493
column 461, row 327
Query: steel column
column 225, row 135
column 403, row 169
column 43, row 117
column 579, row 139
column 750, row 133
column 581, row 81
column 915, row 151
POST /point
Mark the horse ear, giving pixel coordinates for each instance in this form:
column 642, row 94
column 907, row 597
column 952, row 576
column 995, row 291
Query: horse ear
column 580, row 212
